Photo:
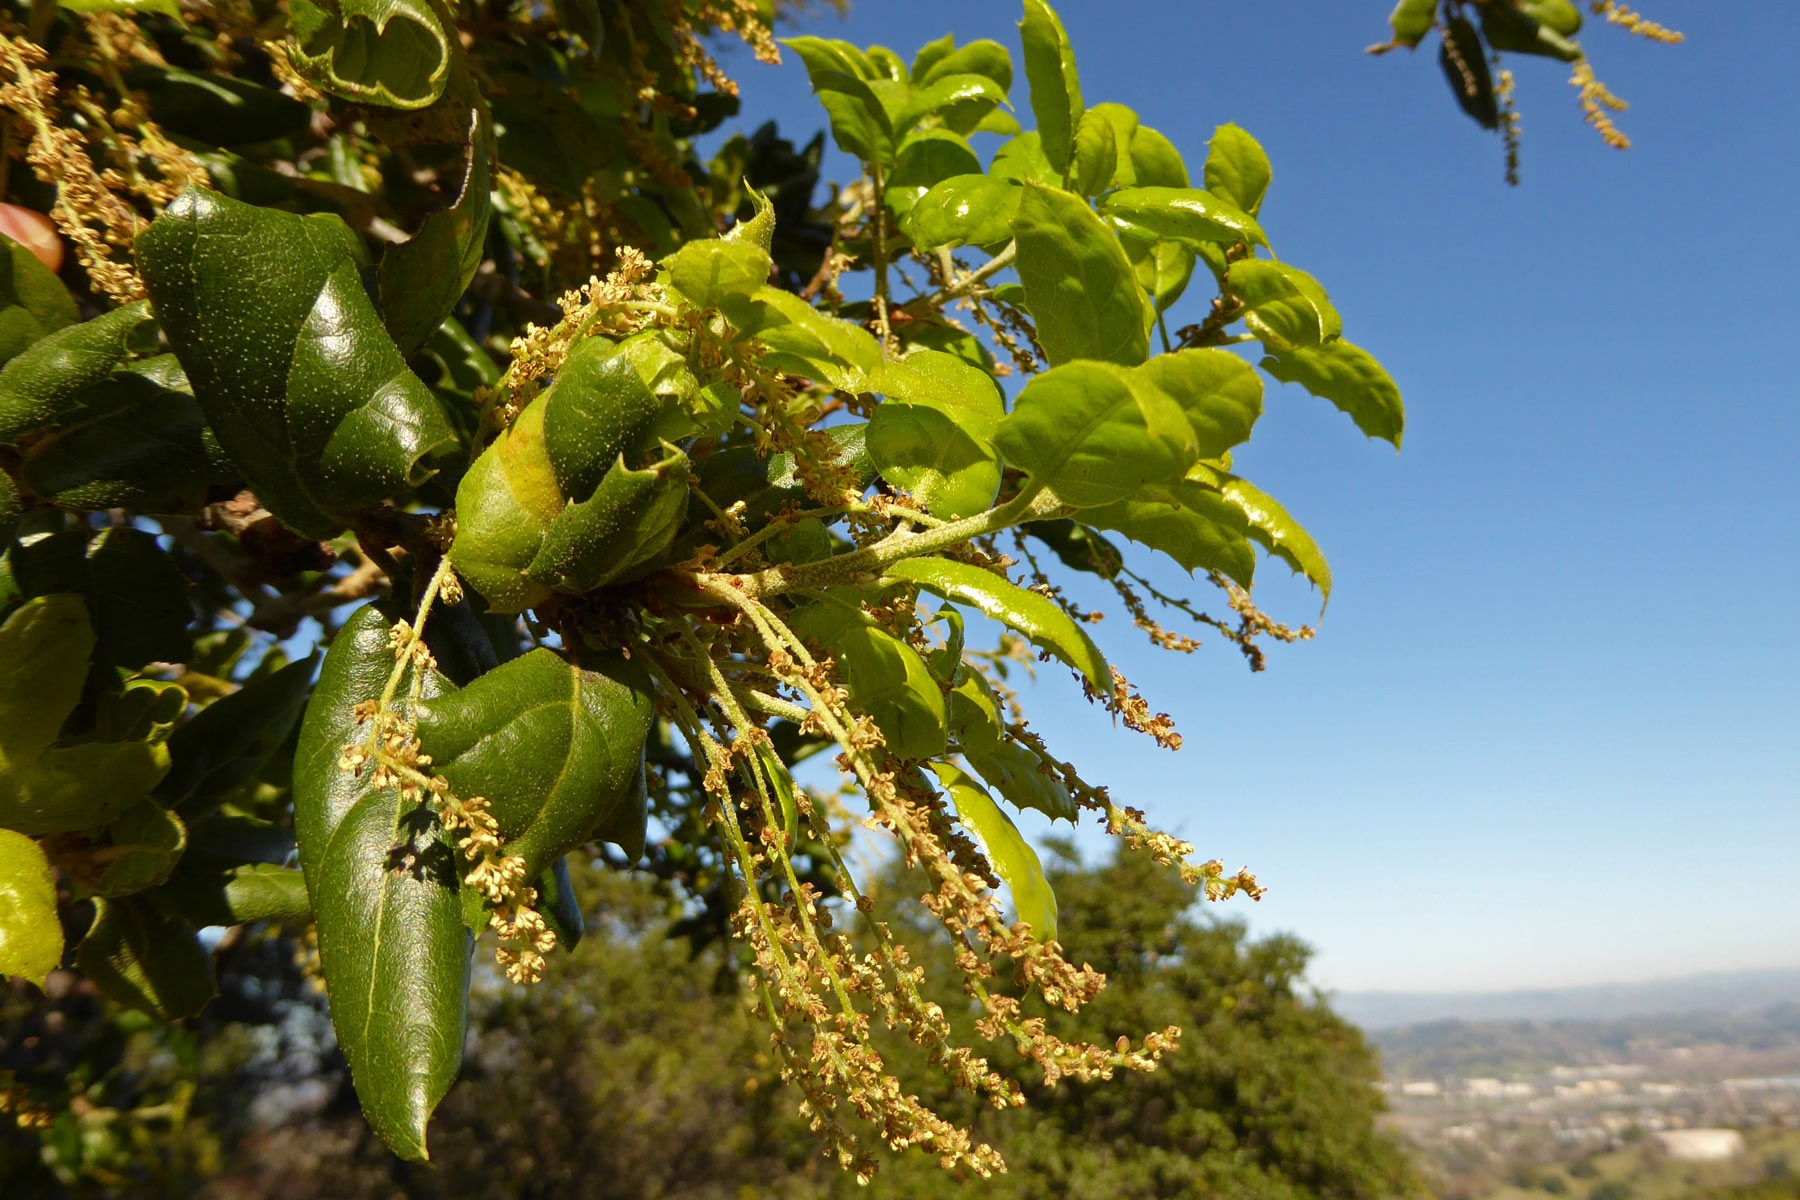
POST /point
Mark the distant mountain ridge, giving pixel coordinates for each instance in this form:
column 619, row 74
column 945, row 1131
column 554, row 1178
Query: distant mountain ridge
column 1719, row 991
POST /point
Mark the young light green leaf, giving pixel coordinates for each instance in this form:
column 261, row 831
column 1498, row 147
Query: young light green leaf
column 1272, row 527
column 212, row 892
column 886, row 678
column 504, row 506
column 975, row 210
column 1011, row 855
column 1411, row 20
column 801, row 340
column 1036, row 618
column 929, row 55
column 1124, row 124
column 1155, row 161
column 1094, row 160
column 599, row 408
column 958, row 101
column 394, row 53
column 1021, row 159
column 1162, row 268
column 706, row 271
column 422, row 278
column 31, row 940
column 1188, row 214
column 1283, row 306
column 1025, row 780
column 980, row 57
column 1237, row 170
column 1078, row 283
column 142, row 848
column 927, row 158
column 146, row 961
column 1220, row 393
column 1190, row 523
column 1350, row 378
column 1055, row 84
column 288, row 358
column 1094, row 433
column 934, row 435
column 973, row 712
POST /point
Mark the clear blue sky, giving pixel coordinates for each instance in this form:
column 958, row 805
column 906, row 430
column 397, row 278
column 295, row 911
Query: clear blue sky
column 1547, row 733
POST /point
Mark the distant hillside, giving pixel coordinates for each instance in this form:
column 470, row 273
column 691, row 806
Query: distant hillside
column 1755, row 1042
column 1722, row 992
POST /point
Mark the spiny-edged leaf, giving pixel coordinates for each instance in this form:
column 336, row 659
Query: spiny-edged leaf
column 504, row 506
column 599, row 408
column 288, row 358
column 1411, row 20
column 33, row 301
column 1162, row 268
column 759, row 228
column 31, row 940
column 620, row 532
column 1095, row 158
column 975, row 210
column 1078, row 283
column 1055, row 84
column 44, row 650
column 1188, row 214
column 553, row 746
column 959, row 101
column 423, row 277
column 1022, row 158
column 1284, row 306
column 1011, row 855
column 980, row 57
column 927, row 158
column 1350, row 378
column 146, row 961
column 1155, row 161
column 1192, row 524
column 1273, row 528
column 383, row 885
column 886, row 678
column 934, row 436
column 1079, row 547
column 140, row 851
column 706, row 271
column 1025, row 780
column 230, row 740
column 1220, row 393
column 1237, row 170
column 212, row 892
column 1036, row 618
column 1464, row 60
column 1095, row 433
column 804, row 341
column 389, row 52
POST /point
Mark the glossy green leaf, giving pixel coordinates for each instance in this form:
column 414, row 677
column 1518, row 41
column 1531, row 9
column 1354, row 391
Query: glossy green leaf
column 1163, row 269
column 934, row 436
column 146, row 961
column 1094, row 160
column 929, row 55
column 383, row 885
column 1237, row 170
column 1025, row 780
column 46, row 386
column 1079, row 547
column 1559, row 16
column 1350, row 378
column 886, row 678
column 959, row 101
column 1078, row 283
column 554, row 747
column 44, row 650
column 1283, row 305
column 976, row 210
column 599, row 408
column 216, row 893
column 620, row 532
column 1188, row 214
column 422, row 278
column 33, row 301
column 1411, row 20
column 1095, row 433
column 1055, row 84
column 1155, row 161
column 1012, row 857
column 1463, row 58
column 1036, row 618
column 1220, row 393
column 394, row 53
column 141, row 850
column 1272, row 527
column 707, row 271
column 859, row 123
column 504, row 506
column 228, row 742
column 887, row 64
column 288, row 358
column 217, row 110
column 804, row 341
column 559, row 904
column 1021, row 159
column 980, row 57
column 31, row 940
column 1192, row 524
column 1124, row 124
column 79, row 787
column 973, row 713
column 928, row 158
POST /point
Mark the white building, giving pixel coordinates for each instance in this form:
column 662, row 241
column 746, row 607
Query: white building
column 1701, row 1145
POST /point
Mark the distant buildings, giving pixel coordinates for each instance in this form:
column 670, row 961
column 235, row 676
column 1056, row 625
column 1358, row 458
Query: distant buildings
column 1700, row 1145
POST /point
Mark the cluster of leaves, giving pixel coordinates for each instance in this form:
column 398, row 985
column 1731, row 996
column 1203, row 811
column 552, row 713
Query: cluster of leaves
column 1473, row 35
column 628, row 557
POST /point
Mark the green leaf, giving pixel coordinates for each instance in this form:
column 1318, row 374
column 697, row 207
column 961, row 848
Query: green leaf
column 1094, row 433
column 217, row 110
column 598, row 409
column 31, row 940
column 1464, row 61
column 707, row 271
column 1079, row 547
column 383, row 885
column 859, row 121
column 1187, row 214
column 33, row 301
column 1412, row 20
column 801, row 340
column 504, row 506
column 1011, row 855
column 231, row 739
column 1155, row 161
column 168, row 8
column 930, row 55
column 620, row 532
column 1162, row 268
column 1350, row 378
column 1274, row 529
column 1513, row 30
column 394, row 53
column 976, row 210
column 79, row 787
column 299, row 380
column 1022, row 159
column 1192, row 524
column 973, row 713
column 1079, row 285
column 11, row 509
column 1220, row 393
column 136, row 595
column 422, row 278
column 146, row 961
column 1237, row 170
column 1124, row 124
column 1095, row 158
column 554, row 747
column 980, row 57
column 1559, row 16
column 927, row 158
column 1025, row 780
column 1284, row 306
column 934, row 436
column 1036, row 618
column 958, row 101
column 1055, row 84
column 216, row 893
column 142, row 849
column 44, row 649
column 886, row 678
column 559, row 904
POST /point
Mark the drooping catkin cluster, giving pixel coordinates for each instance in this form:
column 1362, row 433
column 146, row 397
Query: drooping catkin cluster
column 1597, row 104
column 1618, row 14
